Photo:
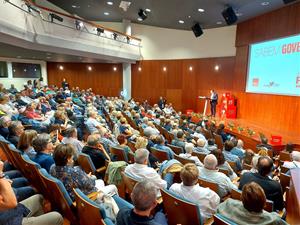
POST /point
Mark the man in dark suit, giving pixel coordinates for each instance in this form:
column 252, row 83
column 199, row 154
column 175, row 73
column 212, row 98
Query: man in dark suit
column 213, row 102
column 162, row 102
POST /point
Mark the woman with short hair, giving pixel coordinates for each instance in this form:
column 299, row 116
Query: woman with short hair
column 25, row 143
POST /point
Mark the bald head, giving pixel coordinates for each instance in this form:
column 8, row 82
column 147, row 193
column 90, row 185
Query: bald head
column 264, row 165
column 200, row 142
column 210, row 162
column 296, row 156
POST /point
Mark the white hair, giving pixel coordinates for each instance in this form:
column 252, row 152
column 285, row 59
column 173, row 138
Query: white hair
column 141, row 155
column 240, row 143
column 296, row 156
column 210, row 162
column 189, row 147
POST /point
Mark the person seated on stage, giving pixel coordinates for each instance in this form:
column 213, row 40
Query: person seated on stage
column 271, row 187
column 160, row 145
column 238, row 148
column 228, row 146
column 73, row 176
column 250, row 210
column 210, row 172
column 200, row 147
column 220, row 131
column 43, row 145
column 143, row 198
column 264, row 143
column 25, row 143
column 16, row 129
column 28, row 211
column 223, row 164
column 190, row 190
column 140, row 169
column 96, row 151
column 295, row 161
column 180, row 140
column 189, row 148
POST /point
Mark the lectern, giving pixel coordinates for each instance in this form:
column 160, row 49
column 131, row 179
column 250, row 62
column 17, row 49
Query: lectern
column 206, row 102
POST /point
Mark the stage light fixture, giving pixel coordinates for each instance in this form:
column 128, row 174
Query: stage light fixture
column 142, row 14
column 100, row 31
column 54, row 16
column 78, row 24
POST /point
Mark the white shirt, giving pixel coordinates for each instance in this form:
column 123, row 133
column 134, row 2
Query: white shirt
column 151, row 131
column 291, row 165
column 141, row 172
column 207, row 199
column 194, row 158
column 92, row 125
column 224, row 183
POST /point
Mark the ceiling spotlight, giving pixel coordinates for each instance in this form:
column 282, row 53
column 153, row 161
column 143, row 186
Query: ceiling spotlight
column 109, row 3
column 164, row 69
column 148, row 10
column 142, row 14
column 61, row 67
column 201, row 10
column 219, row 22
column 106, row 13
column 78, row 24
column 89, row 68
column 140, row 68
column 239, row 14
column 75, row 6
column 265, row 3
column 115, row 68
column 100, row 31
column 181, row 21
column 115, row 36
column 139, row 19
column 217, row 67
column 54, row 16
column 190, row 68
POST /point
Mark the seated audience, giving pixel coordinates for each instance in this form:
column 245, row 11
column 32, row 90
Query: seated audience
column 201, row 146
column 92, row 123
column 190, row 190
column 189, row 148
column 228, row 146
column 238, row 148
column 5, row 121
column 222, row 164
column 220, row 131
column 15, row 130
column 143, row 198
column 96, row 151
column 43, row 145
column 151, row 129
column 295, row 163
column 211, row 144
column 140, row 169
column 7, row 107
column 210, row 172
column 123, row 144
column 71, row 138
column 28, row 211
column 250, row 210
column 180, row 140
column 272, row 188
column 248, row 157
column 160, row 145
column 75, row 177
column 141, row 142
column 25, row 143
column 198, row 133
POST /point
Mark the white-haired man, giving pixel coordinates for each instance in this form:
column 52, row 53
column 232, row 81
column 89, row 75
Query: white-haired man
column 189, row 148
column 210, row 173
column 295, row 161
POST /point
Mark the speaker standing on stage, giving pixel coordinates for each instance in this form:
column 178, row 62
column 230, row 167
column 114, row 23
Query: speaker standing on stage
column 213, row 102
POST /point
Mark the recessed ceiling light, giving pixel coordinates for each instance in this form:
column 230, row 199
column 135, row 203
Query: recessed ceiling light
column 140, row 68
column 109, row 3
column 139, row 19
column 89, row 68
column 189, row 17
column 75, row 6
column 265, row 3
column 201, row 10
column 106, row 13
column 217, row 67
column 61, row 67
column 148, row 10
column 181, row 21
column 239, row 14
column 164, row 68
column 191, row 68
column 25, row 70
column 115, row 68
column 219, row 22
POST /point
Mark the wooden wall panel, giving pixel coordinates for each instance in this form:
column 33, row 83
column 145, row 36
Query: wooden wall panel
column 103, row 79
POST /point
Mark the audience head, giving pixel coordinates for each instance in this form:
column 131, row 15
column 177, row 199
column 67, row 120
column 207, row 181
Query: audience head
column 160, row 140
column 263, row 151
column 240, row 144
column 122, row 139
column 296, row 156
column 63, row 155
column 228, row 146
column 234, row 141
column 289, row 147
column 180, row 134
column 43, row 143
column 141, row 156
column 141, row 143
column 71, row 132
column 189, row 148
column 201, row 142
column 211, row 141
column 93, row 140
column 5, row 121
column 26, row 139
column 219, row 155
column 210, row 162
column 255, row 161
column 248, row 156
column 253, row 197
column 264, row 140
column 16, row 128
column 143, row 196
column 189, row 174
column 264, row 165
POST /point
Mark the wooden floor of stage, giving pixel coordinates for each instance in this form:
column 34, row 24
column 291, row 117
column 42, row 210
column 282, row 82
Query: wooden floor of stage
column 267, row 131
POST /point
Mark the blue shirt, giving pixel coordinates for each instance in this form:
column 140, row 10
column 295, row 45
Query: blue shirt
column 165, row 149
column 238, row 152
column 44, row 160
column 233, row 158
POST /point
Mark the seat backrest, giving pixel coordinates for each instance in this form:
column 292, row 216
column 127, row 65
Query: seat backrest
column 233, row 165
column 16, row 154
column 86, row 163
column 218, row 140
column 176, row 149
column 225, row 171
column 284, row 181
column 129, row 182
column 130, row 157
column 159, row 154
column 131, row 145
column 60, row 200
column 183, row 160
column 211, row 185
column 247, row 166
column 207, row 134
column 88, row 211
column 284, row 156
column 221, row 220
column 284, row 169
column 200, row 156
column 118, row 153
column 236, row 194
column 8, row 154
column 180, row 211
